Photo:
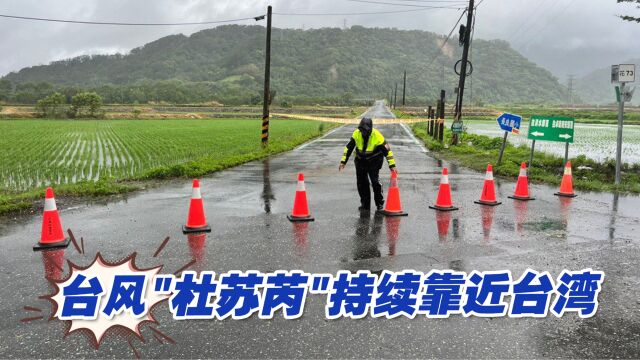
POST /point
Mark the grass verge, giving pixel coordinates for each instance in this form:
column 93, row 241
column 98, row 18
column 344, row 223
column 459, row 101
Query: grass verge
column 476, row 151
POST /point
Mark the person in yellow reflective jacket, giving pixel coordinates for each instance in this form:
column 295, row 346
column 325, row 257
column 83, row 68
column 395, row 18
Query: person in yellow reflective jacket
column 370, row 148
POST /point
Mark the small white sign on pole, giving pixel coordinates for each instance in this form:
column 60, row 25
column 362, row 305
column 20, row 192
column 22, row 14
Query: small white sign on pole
column 626, row 73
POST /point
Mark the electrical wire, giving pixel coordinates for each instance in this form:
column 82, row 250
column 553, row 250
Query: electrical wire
column 357, row 13
column 437, row 1
column 447, row 39
column 532, row 19
column 546, row 26
column 126, row 23
column 406, row 5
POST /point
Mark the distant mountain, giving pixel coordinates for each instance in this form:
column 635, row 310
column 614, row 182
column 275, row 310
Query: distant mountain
column 596, row 88
column 226, row 64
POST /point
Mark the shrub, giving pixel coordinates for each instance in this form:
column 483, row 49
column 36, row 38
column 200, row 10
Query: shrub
column 52, row 105
column 86, row 104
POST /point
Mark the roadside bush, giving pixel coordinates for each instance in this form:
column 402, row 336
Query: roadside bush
column 136, row 113
column 52, row 106
column 475, row 151
column 285, row 104
column 86, row 104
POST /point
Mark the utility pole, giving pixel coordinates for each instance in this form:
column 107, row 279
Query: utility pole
column 463, row 66
column 404, row 88
column 395, row 96
column 619, row 134
column 570, row 89
column 442, row 87
column 267, row 75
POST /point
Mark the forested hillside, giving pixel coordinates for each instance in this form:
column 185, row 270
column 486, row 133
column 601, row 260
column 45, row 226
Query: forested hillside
column 225, row 64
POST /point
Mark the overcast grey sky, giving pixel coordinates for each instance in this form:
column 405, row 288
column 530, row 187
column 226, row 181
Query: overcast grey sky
column 565, row 36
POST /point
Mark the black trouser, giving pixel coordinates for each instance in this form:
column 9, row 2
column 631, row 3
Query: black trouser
column 368, row 170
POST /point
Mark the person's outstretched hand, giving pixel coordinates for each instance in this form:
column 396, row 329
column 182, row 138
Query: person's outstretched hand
column 394, row 169
column 341, row 167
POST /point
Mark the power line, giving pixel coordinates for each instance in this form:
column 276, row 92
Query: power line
column 532, row 16
column 436, row 1
column 358, row 13
column 447, row 39
column 549, row 22
column 406, row 5
column 260, row 17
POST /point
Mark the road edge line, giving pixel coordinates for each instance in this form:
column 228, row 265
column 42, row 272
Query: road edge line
column 413, row 137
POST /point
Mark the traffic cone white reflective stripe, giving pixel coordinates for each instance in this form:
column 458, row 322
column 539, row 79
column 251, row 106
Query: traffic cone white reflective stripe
column 567, row 170
column 50, row 204
column 394, row 182
column 444, row 179
column 489, row 176
column 195, row 193
column 301, row 186
column 523, row 171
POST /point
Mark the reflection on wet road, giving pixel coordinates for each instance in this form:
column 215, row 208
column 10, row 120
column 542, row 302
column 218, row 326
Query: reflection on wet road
column 247, row 206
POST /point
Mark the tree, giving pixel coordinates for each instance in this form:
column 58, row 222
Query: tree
column 85, row 103
column 629, row 17
column 52, row 105
column 5, row 89
column 272, row 95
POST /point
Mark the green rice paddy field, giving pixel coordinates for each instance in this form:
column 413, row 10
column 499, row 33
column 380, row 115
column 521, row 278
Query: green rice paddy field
column 37, row 153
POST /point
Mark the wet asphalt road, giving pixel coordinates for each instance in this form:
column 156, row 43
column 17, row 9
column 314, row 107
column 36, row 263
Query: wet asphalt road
column 247, row 208
column 379, row 111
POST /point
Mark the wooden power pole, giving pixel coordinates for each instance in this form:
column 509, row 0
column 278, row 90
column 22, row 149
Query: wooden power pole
column 395, row 96
column 267, row 74
column 463, row 66
column 404, row 88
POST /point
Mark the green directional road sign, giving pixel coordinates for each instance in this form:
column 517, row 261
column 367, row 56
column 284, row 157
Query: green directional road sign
column 457, row 127
column 551, row 129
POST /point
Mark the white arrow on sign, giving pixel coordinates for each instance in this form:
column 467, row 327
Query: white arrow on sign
column 565, row 136
column 536, row 133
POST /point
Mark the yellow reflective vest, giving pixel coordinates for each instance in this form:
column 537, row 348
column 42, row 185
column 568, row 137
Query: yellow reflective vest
column 376, row 146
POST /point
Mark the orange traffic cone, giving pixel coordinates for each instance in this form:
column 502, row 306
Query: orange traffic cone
column 566, row 186
column 196, row 221
column 443, row 202
column 522, row 186
column 300, row 205
column 393, row 206
column 488, row 195
column 52, row 235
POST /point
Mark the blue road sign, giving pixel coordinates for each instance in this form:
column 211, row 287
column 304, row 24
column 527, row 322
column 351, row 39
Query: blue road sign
column 510, row 123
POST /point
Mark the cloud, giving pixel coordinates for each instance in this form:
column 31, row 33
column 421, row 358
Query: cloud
column 554, row 33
